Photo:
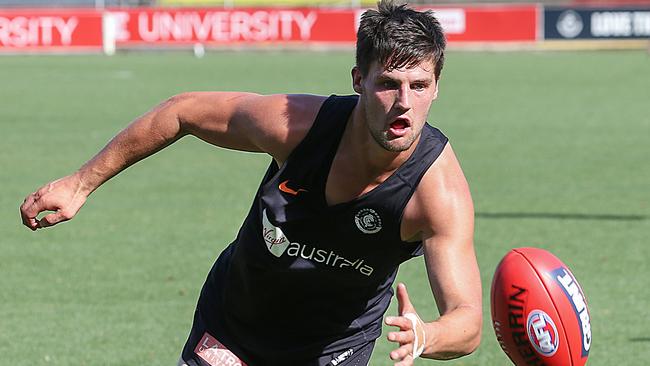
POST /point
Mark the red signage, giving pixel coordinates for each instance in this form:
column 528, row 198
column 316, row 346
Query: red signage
column 495, row 23
column 510, row 23
column 233, row 26
column 50, row 30
column 490, row 23
column 83, row 30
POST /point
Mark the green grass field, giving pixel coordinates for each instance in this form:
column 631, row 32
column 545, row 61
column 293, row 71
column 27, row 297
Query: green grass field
column 554, row 145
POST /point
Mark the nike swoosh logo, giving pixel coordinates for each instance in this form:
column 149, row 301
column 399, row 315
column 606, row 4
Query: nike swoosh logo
column 284, row 188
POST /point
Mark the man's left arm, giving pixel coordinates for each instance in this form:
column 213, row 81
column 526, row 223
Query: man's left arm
column 443, row 213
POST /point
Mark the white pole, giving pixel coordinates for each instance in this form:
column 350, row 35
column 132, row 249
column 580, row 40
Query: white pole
column 108, row 33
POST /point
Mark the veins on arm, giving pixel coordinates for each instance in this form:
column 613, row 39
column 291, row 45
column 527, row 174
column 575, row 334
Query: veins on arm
column 445, row 214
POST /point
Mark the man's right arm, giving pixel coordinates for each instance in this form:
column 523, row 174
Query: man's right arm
column 242, row 121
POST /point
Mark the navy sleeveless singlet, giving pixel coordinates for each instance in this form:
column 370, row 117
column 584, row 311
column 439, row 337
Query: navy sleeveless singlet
column 303, row 278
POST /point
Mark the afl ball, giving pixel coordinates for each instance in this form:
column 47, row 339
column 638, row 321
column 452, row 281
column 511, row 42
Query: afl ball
column 539, row 311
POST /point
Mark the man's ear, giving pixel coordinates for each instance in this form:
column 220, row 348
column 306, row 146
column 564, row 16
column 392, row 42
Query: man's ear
column 357, row 80
column 435, row 91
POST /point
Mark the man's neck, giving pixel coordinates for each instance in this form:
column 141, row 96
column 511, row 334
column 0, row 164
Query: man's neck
column 357, row 142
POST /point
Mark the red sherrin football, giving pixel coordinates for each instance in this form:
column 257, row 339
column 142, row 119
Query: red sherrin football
column 539, row 311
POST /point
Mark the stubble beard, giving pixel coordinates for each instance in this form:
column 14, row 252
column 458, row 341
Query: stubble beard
column 382, row 138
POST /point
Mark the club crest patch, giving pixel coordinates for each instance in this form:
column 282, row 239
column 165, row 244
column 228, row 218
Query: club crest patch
column 368, row 221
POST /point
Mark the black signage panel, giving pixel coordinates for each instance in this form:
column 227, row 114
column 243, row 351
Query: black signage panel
column 596, row 23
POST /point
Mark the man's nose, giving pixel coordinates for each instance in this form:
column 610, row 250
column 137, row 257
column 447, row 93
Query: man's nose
column 403, row 98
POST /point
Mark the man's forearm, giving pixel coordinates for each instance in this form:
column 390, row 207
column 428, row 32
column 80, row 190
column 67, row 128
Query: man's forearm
column 454, row 334
column 145, row 136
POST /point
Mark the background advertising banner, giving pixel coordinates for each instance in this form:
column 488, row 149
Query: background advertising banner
column 491, row 23
column 62, row 30
column 596, row 23
column 50, row 30
column 216, row 26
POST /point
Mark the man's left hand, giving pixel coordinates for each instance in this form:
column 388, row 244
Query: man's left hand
column 412, row 336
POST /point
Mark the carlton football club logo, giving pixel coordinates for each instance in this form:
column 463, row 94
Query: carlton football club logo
column 542, row 333
column 569, row 24
column 368, row 221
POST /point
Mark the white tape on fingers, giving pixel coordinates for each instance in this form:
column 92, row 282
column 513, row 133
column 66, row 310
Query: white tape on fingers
column 418, row 344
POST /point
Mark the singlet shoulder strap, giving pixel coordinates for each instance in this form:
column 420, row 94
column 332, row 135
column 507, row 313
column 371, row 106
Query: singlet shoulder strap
column 327, row 129
column 306, row 165
column 429, row 148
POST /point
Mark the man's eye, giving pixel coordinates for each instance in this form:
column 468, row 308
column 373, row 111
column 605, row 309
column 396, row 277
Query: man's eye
column 419, row 87
column 389, row 84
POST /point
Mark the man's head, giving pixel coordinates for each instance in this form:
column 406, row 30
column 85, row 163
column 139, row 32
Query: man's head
column 400, row 53
column 396, row 36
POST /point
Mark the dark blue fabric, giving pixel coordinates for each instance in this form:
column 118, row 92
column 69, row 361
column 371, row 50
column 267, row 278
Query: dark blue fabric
column 329, row 283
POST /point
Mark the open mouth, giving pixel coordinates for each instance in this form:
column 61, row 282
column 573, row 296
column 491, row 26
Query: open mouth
column 399, row 127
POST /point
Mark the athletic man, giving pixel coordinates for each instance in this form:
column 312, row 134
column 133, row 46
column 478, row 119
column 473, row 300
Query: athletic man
column 357, row 185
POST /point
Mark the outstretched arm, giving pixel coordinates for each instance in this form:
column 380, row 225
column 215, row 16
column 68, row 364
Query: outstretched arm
column 242, row 121
column 442, row 211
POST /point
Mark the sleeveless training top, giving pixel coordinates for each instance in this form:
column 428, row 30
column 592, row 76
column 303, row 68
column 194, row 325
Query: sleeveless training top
column 303, row 278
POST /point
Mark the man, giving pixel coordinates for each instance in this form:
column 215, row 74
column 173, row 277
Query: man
column 357, row 185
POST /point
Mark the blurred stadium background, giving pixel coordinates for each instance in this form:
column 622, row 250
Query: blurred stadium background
column 58, row 3
column 554, row 145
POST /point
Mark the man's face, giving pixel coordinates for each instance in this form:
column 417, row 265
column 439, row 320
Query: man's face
column 396, row 103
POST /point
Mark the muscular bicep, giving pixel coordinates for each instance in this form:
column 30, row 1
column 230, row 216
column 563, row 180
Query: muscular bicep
column 250, row 122
column 445, row 214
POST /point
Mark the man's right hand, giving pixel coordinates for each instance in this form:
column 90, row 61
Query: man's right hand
column 273, row 124
column 64, row 196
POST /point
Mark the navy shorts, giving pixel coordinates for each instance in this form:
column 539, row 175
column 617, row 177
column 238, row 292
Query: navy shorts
column 205, row 349
column 359, row 356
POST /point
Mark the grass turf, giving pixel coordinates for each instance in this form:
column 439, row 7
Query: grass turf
column 554, row 145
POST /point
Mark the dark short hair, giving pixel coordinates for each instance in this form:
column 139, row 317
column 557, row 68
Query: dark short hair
column 397, row 36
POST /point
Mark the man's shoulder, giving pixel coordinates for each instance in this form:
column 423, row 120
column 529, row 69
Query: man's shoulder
column 285, row 119
column 444, row 175
column 304, row 106
column 442, row 193
column 281, row 105
column 293, row 112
